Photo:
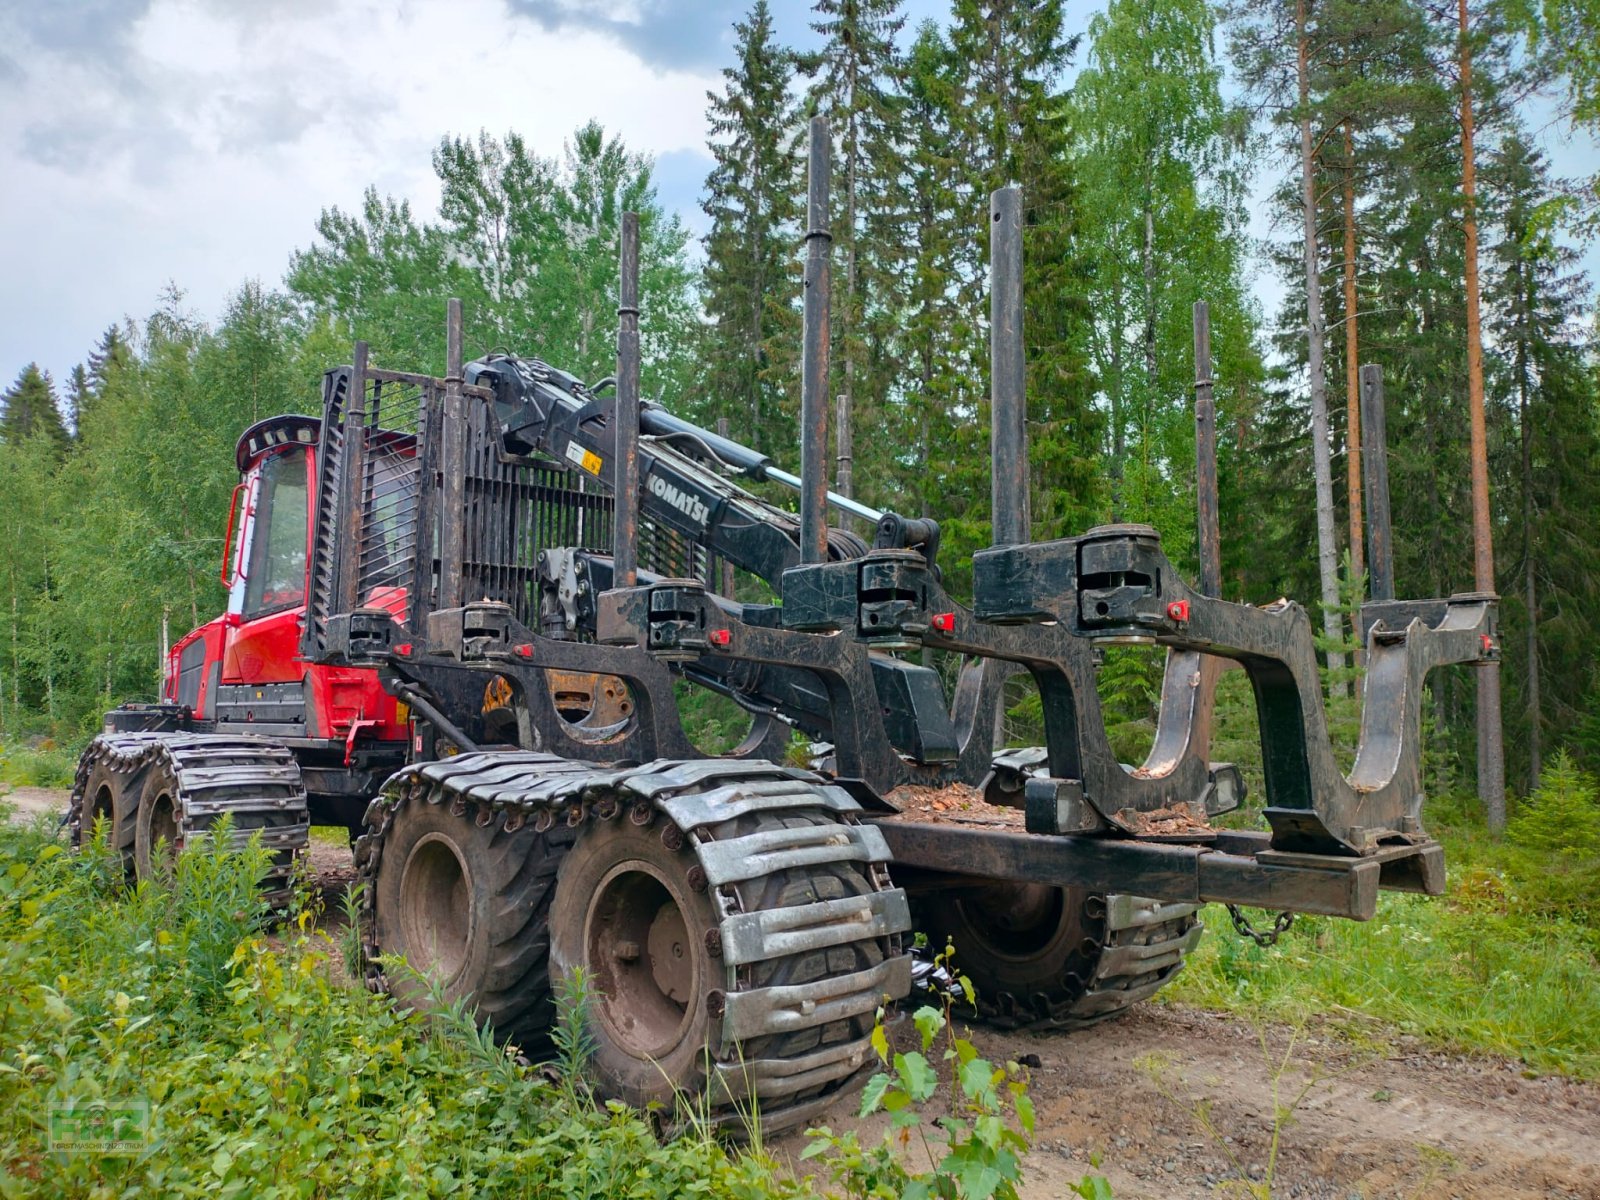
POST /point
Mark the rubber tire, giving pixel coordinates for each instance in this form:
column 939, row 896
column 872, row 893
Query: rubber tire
column 159, row 781
column 1052, row 957
column 504, row 969
column 645, row 1082
column 115, row 794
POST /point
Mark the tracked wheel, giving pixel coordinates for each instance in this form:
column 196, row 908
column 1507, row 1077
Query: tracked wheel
column 467, row 904
column 735, row 920
column 109, row 791
column 636, row 909
column 1057, row 957
column 164, row 790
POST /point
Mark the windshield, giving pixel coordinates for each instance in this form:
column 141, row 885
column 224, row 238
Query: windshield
column 275, row 574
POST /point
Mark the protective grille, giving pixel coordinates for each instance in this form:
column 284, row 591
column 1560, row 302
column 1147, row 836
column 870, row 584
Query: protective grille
column 386, row 559
column 511, row 509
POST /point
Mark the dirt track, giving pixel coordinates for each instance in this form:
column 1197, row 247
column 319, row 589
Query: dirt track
column 1411, row 1123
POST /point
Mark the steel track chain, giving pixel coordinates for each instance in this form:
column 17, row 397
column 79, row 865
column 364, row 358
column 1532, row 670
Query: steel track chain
column 1144, row 946
column 1143, row 949
column 265, row 795
column 694, row 797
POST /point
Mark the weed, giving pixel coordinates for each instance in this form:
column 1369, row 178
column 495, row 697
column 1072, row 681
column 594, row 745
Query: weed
column 1287, row 1096
column 573, row 1039
column 350, row 903
column 1093, row 1187
column 973, row 1153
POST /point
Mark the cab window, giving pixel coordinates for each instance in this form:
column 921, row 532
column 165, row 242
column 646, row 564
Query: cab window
column 275, row 576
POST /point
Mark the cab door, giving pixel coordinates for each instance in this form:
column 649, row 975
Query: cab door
column 266, row 602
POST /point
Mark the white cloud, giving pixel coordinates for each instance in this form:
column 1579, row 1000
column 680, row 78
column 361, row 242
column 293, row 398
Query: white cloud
column 198, row 141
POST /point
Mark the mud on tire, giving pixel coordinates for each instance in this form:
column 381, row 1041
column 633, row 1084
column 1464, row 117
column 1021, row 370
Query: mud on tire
column 468, row 904
column 628, row 911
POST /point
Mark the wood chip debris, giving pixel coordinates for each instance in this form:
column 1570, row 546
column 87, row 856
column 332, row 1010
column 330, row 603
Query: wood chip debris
column 954, row 803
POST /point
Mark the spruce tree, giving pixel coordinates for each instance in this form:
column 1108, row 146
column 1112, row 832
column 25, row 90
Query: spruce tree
column 751, row 282
column 855, row 73
column 1535, row 297
column 29, row 408
column 112, row 354
column 80, row 398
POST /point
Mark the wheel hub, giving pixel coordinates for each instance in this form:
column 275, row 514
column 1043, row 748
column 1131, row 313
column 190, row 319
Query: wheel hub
column 646, row 966
column 164, row 823
column 1018, row 920
column 436, row 908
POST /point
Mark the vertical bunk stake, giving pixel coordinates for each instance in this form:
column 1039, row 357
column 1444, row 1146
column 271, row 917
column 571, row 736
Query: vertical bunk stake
column 1008, row 437
column 625, row 415
column 815, row 354
column 352, row 478
column 452, row 466
column 1375, row 469
column 725, row 568
column 1205, row 456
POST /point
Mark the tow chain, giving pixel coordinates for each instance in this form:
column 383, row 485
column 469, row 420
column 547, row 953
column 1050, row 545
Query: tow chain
column 1261, row 937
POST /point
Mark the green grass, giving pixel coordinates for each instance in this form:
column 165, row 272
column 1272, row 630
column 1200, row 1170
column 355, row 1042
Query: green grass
column 1488, row 968
column 265, row 1079
column 41, row 765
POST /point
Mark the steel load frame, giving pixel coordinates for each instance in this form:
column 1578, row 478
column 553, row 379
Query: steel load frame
column 1039, row 607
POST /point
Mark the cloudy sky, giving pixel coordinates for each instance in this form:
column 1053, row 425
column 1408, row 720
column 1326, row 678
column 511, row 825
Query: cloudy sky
column 196, row 141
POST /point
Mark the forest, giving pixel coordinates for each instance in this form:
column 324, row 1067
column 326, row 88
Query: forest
column 1415, row 222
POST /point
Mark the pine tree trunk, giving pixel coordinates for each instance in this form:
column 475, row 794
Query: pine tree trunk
column 1352, row 369
column 1327, row 548
column 1491, row 745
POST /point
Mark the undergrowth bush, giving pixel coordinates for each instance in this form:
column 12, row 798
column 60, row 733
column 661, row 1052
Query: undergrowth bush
column 265, row 1079
column 44, row 764
column 1555, row 841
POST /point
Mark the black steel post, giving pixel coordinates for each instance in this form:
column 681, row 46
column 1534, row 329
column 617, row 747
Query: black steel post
column 725, row 580
column 625, row 467
column 1375, row 466
column 1205, row 456
column 452, row 466
column 353, row 467
column 814, row 363
column 1008, row 444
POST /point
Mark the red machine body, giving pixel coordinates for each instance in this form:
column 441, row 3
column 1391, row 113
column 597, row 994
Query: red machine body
column 243, row 669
